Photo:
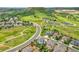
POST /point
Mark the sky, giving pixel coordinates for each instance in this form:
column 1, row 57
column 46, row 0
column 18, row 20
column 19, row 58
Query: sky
column 39, row 3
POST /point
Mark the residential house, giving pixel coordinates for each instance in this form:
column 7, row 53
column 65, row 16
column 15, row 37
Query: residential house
column 50, row 44
column 75, row 42
column 45, row 19
column 68, row 24
column 18, row 23
column 65, row 38
column 2, row 24
column 49, row 33
column 41, row 40
column 60, row 48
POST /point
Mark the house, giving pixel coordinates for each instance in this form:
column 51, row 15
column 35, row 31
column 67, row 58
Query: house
column 18, row 23
column 55, row 34
column 54, row 23
column 50, row 44
column 65, row 38
column 49, row 33
column 60, row 48
column 41, row 40
column 27, row 23
column 75, row 42
column 45, row 19
column 15, row 18
column 69, row 24
column 2, row 24
column 8, row 25
column 11, row 20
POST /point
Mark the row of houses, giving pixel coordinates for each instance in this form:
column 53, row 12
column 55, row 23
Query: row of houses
column 63, row 38
column 12, row 22
column 58, row 35
column 51, row 45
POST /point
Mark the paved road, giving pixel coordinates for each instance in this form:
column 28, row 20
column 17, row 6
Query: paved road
column 34, row 37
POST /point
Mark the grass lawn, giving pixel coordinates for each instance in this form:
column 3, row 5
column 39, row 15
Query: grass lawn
column 70, row 31
column 14, row 36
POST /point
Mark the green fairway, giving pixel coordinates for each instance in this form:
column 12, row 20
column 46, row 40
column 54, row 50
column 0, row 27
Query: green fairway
column 15, row 36
column 69, row 30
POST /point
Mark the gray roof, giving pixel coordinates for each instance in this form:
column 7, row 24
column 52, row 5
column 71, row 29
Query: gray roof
column 66, row 23
column 75, row 42
column 51, row 43
column 60, row 48
column 49, row 33
column 41, row 40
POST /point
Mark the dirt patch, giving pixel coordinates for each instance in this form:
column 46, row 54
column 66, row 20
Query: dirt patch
column 9, row 37
column 3, row 46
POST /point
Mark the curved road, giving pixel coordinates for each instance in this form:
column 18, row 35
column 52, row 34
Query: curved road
column 35, row 36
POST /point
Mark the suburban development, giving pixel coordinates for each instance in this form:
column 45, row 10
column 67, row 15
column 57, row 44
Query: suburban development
column 39, row 29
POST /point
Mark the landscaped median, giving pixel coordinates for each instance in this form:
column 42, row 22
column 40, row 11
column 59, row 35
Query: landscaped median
column 12, row 37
